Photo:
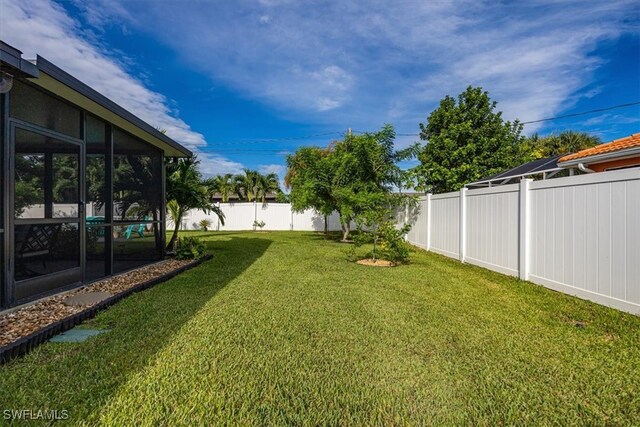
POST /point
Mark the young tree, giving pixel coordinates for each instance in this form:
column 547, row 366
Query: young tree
column 366, row 171
column 352, row 176
column 185, row 191
column 309, row 176
column 466, row 140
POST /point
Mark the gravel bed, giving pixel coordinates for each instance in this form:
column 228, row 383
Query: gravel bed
column 31, row 318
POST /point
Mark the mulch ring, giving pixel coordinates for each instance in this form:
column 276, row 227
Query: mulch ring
column 375, row 262
column 26, row 321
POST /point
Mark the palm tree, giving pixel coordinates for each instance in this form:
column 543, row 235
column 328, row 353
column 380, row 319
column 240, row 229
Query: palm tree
column 247, row 185
column 556, row 144
column 252, row 185
column 267, row 184
column 185, row 191
column 225, row 185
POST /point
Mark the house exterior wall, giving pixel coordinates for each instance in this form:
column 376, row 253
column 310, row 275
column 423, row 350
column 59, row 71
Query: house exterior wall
column 615, row 164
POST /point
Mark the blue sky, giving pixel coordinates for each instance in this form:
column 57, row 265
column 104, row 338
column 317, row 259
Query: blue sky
column 219, row 75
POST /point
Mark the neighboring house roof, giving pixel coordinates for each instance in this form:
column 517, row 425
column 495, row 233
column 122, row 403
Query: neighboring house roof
column 629, row 145
column 548, row 164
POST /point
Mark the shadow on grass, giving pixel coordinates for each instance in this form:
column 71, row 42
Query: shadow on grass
column 333, row 236
column 81, row 377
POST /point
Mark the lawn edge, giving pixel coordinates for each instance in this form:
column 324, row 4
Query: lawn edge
column 24, row 345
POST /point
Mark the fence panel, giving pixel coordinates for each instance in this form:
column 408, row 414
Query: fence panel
column 418, row 218
column 238, row 216
column 492, row 228
column 276, row 216
column 586, row 237
column 445, row 230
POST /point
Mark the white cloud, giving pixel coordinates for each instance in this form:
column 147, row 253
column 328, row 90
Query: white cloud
column 212, row 164
column 360, row 63
column 42, row 27
column 272, row 168
column 352, row 64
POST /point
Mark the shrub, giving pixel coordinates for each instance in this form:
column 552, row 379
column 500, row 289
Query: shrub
column 189, row 248
column 258, row 224
column 205, row 224
column 388, row 242
column 393, row 246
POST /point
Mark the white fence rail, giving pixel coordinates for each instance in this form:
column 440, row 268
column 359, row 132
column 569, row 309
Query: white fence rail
column 579, row 235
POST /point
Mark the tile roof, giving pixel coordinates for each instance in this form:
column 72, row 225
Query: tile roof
column 632, row 141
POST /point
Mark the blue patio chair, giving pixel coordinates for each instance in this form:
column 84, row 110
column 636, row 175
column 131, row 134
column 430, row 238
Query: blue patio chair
column 132, row 227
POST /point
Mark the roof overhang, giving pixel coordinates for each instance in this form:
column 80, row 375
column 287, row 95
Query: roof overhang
column 625, row 153
column 59, row 82
column 12, row 62
column 48, row 76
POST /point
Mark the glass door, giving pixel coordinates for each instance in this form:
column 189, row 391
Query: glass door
column 47, row 211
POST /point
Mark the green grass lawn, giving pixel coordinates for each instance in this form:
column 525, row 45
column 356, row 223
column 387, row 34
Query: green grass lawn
column 279, row 328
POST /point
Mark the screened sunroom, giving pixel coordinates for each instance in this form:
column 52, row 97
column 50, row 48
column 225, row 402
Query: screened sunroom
column 82, row 182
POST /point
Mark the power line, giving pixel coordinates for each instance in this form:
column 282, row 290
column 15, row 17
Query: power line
column 262, row 140
column 342, row 133
column 582, row 113
column 598, row 110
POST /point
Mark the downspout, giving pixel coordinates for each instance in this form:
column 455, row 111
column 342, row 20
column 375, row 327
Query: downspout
column 584, row 169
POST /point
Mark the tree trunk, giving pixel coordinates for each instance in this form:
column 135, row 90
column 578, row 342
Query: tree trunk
column 326, row 225
column 345, row 230
column 174, row 235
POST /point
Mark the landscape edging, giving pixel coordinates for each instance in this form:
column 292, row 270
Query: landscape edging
column 24, row 345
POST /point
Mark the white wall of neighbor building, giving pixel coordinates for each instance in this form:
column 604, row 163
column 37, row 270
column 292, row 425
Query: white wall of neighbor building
column 579, row 235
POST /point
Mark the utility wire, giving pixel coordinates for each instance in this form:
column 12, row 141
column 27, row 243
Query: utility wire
column 292, row 138
column 582, row 113
column 630, row 104
column 342, row 133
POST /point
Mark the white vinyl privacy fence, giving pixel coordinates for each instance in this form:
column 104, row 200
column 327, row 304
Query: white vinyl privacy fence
column 579, row 235
column 276, row 216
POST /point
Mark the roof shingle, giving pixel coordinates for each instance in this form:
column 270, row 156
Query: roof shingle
column 609, row 147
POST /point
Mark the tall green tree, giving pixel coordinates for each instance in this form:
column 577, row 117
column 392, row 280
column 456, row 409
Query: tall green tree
column 467, row 139
column 247, row 184
column 186, row 190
